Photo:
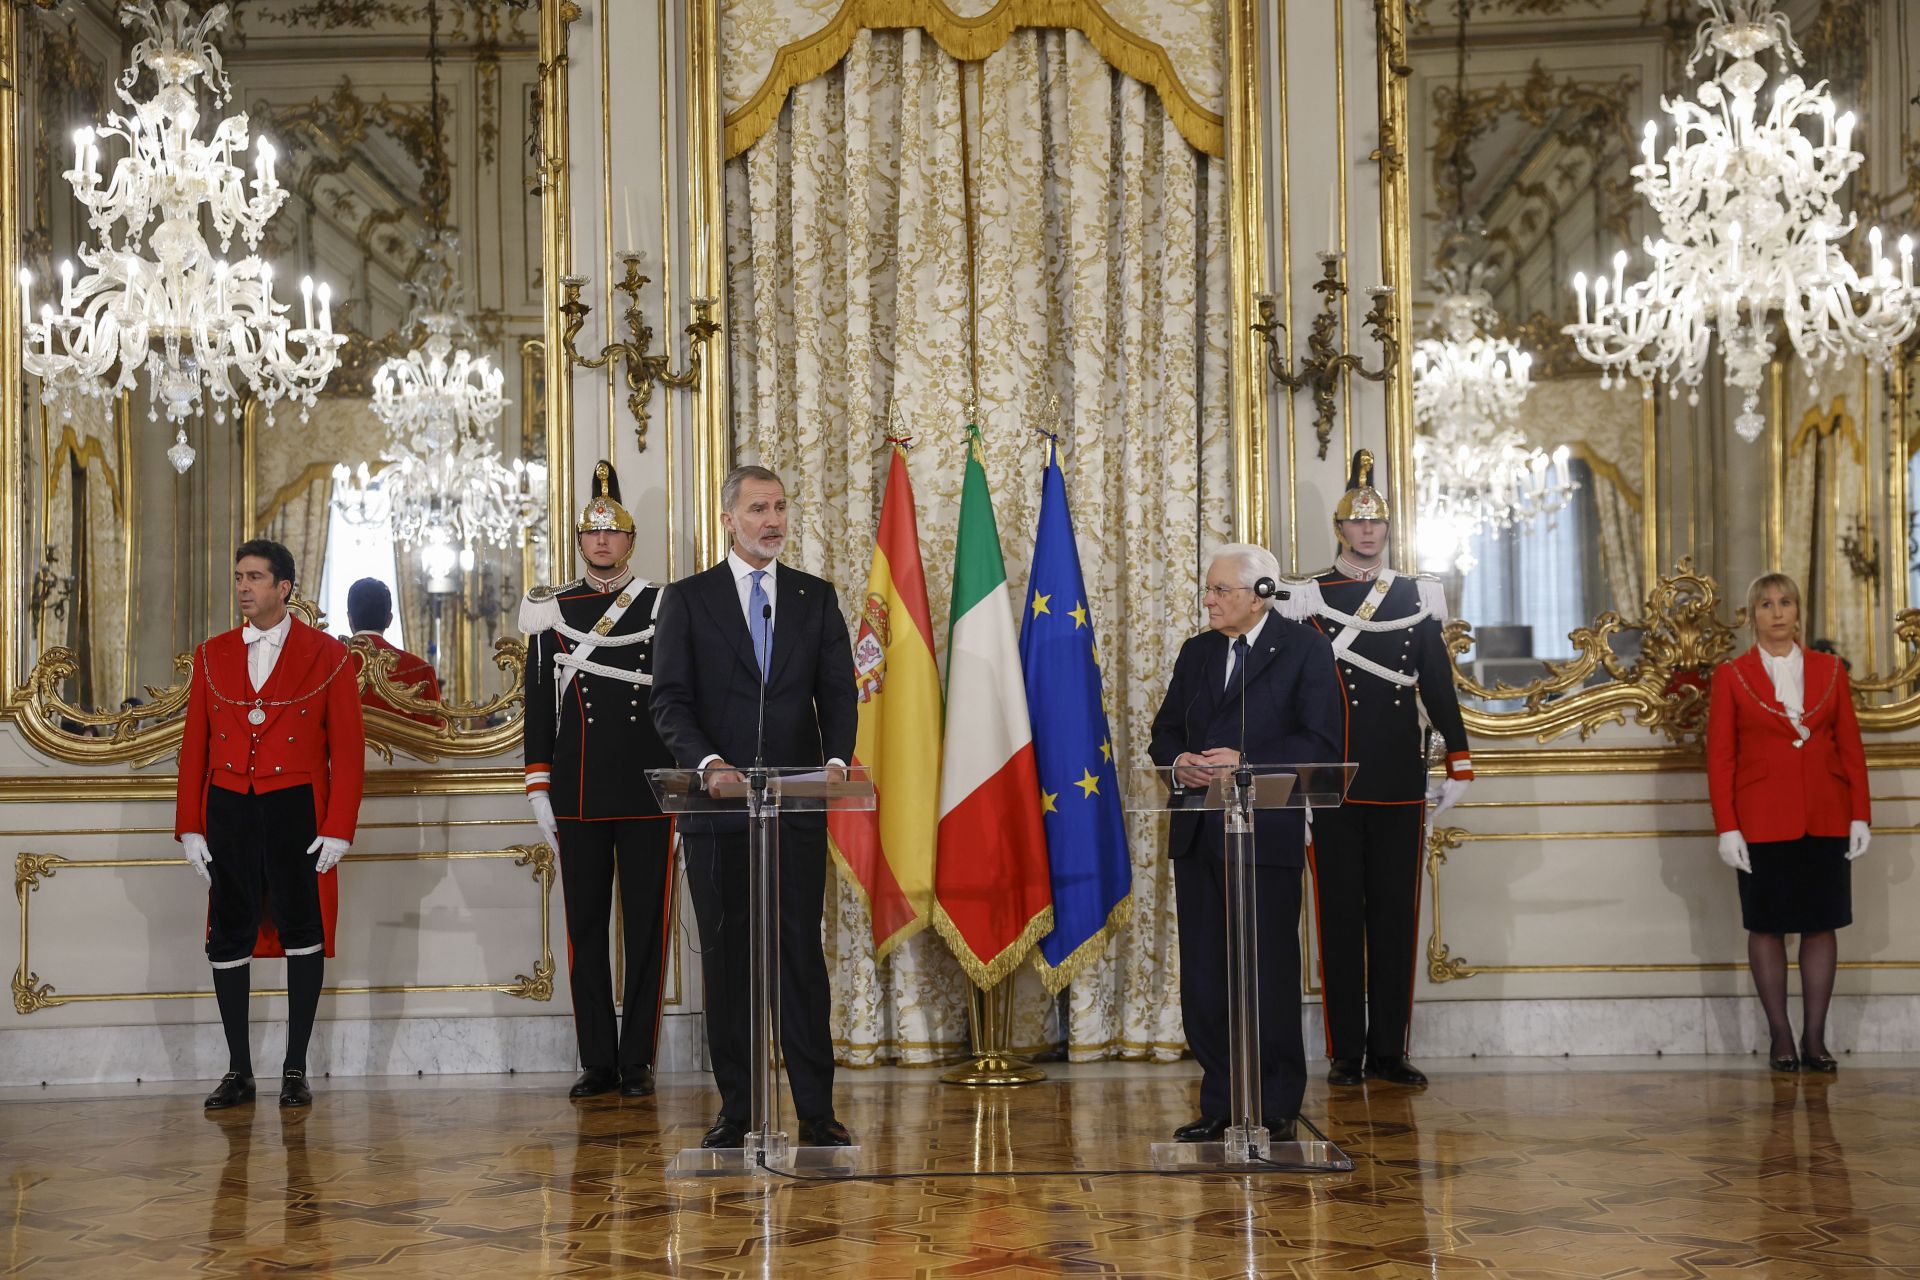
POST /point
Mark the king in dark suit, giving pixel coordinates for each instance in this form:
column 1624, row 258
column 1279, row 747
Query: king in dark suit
column 1282, row 671
column 746, row 624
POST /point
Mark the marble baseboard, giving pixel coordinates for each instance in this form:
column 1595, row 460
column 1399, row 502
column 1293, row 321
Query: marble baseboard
column 1668, row 1025
column 341, row 1047
column 467, row 1046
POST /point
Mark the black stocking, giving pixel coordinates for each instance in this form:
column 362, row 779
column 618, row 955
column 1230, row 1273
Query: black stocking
column 1819, row 956
column 1767, row 957
column 232, row 991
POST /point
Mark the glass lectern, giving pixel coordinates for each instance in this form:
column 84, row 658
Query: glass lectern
column 1237, row 791
column 758, row 797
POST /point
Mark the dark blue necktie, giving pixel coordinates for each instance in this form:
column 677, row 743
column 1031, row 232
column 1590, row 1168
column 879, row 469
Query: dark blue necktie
column 1238, row 666
column 759, row 623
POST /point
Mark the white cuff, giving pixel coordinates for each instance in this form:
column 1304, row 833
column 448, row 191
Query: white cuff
column 707, row 760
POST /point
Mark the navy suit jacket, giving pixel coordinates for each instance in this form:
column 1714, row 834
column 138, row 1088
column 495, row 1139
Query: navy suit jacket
column 1294, row 715
column 706, row 681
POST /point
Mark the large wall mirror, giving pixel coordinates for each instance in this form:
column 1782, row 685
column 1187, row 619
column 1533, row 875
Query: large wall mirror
column 409, row 142
column 1597, row 542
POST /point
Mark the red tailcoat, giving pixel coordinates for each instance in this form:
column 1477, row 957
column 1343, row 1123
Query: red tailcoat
column 1762, row 784
column 408, row 669
column 312, row 734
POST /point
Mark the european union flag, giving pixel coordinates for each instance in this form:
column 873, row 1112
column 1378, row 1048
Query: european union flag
column 1079, row 784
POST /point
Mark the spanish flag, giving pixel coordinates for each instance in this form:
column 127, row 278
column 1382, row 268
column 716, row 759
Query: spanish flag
column 888, row 852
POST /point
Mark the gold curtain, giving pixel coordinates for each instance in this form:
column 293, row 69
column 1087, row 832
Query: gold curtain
column 1100, row 269
column 1826, row 484
column 86, row 478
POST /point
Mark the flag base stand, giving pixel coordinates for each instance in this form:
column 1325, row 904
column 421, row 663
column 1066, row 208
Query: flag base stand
column 991, row 1069
column 990, row 1018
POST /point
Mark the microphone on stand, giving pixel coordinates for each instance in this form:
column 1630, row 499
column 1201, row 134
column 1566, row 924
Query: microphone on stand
column 759, row 778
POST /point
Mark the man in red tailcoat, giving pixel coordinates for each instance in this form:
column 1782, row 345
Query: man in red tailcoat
column 270, row 771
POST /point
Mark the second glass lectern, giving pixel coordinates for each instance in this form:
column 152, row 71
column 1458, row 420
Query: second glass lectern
column 1237, row 792
column 757, row 797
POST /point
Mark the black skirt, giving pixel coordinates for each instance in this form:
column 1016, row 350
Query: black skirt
column 1797, row 886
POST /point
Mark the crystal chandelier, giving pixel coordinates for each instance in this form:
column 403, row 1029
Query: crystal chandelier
column 1750, row 233
column 186, row 315
column 444, row 485
column 1476, row 470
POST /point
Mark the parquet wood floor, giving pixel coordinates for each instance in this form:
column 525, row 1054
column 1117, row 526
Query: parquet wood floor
column 1701, row 1169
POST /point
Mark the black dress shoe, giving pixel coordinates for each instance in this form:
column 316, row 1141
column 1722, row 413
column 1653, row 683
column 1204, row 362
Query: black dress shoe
column 1345, row 1071
column 1788, row 1064
column 726, row 1132
column 1820, row 1062
column 232, row 1090
column 1283, row 1130
column 824, row 1131
column 294, row 1090
column 636, row 1082
column 1205, row 1129
column 595, row 1081
column 1395, row 1071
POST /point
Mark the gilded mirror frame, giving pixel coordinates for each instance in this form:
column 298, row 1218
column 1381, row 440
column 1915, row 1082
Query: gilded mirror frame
column 30, row 695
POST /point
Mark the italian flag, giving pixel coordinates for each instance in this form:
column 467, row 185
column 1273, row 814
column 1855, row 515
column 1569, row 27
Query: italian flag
column 995, row 899
column 888, row 851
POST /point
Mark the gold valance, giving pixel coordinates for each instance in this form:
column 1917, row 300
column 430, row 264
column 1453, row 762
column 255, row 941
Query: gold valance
column 1176, row 46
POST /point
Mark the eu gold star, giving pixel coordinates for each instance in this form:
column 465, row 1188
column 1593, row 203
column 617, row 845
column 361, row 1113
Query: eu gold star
column 1046, row 801
column 1040, row 604
column 1106, row 751
column 1079, row 615
column 1088, row 784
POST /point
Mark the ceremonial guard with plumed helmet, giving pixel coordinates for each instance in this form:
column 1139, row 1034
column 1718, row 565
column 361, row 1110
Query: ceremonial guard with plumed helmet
column 589, row 738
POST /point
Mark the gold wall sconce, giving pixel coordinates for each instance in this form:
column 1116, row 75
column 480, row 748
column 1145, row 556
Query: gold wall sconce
column 643, row 368
column 1321, row 368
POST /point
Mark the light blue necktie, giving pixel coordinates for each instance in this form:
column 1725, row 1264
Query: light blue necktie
column 759, row 623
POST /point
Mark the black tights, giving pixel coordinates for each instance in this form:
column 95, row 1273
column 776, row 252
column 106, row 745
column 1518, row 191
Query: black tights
column 1819, row 955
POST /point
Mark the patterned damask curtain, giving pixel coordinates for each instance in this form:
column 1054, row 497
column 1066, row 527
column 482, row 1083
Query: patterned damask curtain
column 1099, row 240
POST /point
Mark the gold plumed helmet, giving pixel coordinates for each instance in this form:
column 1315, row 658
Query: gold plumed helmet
column 1361, row 501
column 603, row 512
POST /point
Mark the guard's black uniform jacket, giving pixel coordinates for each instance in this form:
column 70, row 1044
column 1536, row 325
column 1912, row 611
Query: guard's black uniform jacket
column 1384, row 736
column 592, row 751
column 1367, row 854
column 590, row 754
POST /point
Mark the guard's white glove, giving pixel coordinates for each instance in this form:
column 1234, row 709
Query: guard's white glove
column 1445, row 794
column 542, row 806
column 330, row 848
column 1859, row 836
column 193, row 847
column 1733, row 851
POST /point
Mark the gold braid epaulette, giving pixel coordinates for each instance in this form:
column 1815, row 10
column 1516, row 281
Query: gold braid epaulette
column 314, row 692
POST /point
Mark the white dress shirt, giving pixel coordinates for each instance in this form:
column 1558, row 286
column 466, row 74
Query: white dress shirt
column 1251, row 637
column 1788, row 673
column 263, row 649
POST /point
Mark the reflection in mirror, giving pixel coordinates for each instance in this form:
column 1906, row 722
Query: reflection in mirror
column 1532, row 479
column 397, row 134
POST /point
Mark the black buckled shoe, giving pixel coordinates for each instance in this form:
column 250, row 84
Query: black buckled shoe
column 232, row 1090
column 1395, row 1071
column 726, row 1132
column 295, row 1091
column 595, row 1081
column 1205, row 1129
column 1821, row 1063
column 636, row 1082
column 1346, row 1071
column 824, row 1131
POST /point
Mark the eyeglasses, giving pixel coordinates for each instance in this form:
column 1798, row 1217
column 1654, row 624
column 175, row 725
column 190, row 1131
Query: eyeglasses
column 1220, row 592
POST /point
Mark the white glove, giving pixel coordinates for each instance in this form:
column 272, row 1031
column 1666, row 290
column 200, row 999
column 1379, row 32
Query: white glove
column 329, row 848
column 1445, row 794
column 1859, row 836
column 542, row 806
column 1733, row 851
column 193, row 846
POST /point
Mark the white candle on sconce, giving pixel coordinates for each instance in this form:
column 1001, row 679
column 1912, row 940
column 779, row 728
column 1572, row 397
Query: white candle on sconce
column 626, row 226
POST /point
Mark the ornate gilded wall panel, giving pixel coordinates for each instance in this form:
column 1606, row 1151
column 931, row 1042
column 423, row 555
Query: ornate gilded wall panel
column 113, row 566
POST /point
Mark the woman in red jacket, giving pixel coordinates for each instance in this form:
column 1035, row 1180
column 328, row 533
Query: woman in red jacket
column 1788, row 781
